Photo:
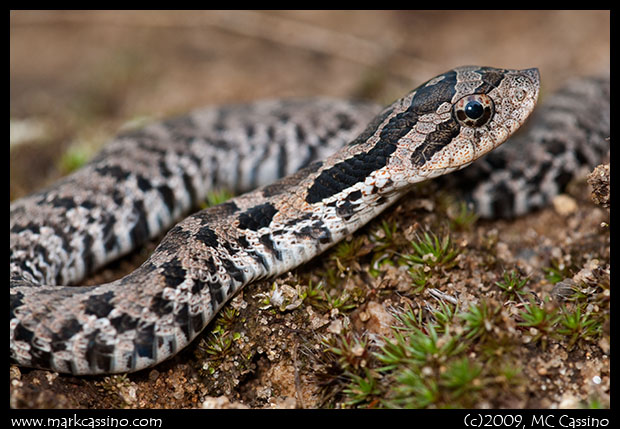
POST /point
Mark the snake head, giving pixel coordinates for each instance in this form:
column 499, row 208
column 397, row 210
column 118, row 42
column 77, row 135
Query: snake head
column 442, row 126
column 460, row 115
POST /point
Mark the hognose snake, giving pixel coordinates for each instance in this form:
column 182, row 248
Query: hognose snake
column 145, row 180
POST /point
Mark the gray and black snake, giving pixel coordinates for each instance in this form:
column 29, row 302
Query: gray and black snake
column 145, row 180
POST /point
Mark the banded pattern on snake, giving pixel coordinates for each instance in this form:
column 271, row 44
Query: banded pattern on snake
column 145, row 180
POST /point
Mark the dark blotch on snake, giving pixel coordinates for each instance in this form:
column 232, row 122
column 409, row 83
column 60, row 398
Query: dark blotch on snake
column 63, row 202
column 503, row 203
column 167, row 197
column 114, row 171
column 140, row 231
column 23, row 333
column 173, row 272
column 345, row 210
column 190, row 188
column 217, row 294
column 160, row 305
column 257, row 217
column 435, row 141
column 124, row 322
column 145, row 341
column 182, row 320
column 143, row 183
column 99, row 354
column 99, row 305
column 291, row 181
column 490, row 80
column 427, row 98
column 207, row 236
column 270, row 245
column 353, row 170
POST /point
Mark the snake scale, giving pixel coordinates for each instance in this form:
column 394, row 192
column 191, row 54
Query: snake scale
column 145, row 180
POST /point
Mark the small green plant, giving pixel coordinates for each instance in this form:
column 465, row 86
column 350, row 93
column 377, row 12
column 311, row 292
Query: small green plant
column 386, row 238
column 386, row 242
column 74, row 158
column 217, row 344
column 462, row 216
column 432, row 252
column 362, row 390
column 419, row 347
column 512, row 285
column 479, row 319
column 352, row 350
column 227, row 317
column 114, row 383
column 595, row 403
column 577, row 325
column 556, row 272
column 509, row 373
column 461, row 376
column 321, row 299
column 407, row 319
column 117, row 387
column 413, row 389
column 349, row 250
column 217, row 196
column 419, row 278
column 340, row 301
column 312, row 291
column 540, row 321
column 211, row 350
column 444, row 316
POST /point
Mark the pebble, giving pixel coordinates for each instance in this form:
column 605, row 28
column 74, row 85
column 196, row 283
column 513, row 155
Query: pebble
column 564, row 205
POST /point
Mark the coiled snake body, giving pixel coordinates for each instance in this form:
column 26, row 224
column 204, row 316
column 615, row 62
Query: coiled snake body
column 144, row 180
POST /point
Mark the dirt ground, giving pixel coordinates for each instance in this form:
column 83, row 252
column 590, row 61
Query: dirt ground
column 77, row 77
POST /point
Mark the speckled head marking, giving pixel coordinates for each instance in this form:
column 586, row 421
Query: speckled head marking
column 145, row 179
column 485, row 108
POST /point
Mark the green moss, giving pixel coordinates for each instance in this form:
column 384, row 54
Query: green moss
column 322, row 300
column 351, row 350
column 419, row 347
column 362, row 390
column 431, row 251
column 462, row 217
column 578, row 325
column 432, row 360
column 215, row 347
column 557, row 272
column 512, row 285
column 480, row 319
column 216, row 197
column 540, row 321
column 349, row 250
column 74, row 158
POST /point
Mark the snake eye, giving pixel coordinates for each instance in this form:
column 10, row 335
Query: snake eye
column 474, row 110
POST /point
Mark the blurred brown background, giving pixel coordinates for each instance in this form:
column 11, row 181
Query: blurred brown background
column 77, row 76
